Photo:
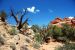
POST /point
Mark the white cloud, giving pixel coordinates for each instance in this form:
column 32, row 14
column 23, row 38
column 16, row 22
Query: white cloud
column 32, row 9
column 70, row 17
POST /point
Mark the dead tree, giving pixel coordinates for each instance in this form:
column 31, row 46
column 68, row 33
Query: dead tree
column 19, row 22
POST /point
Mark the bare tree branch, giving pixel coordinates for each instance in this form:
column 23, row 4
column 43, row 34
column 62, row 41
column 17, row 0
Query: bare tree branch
column 15, row 17
column 22, row 16
column 26, row 21
column 19, row 22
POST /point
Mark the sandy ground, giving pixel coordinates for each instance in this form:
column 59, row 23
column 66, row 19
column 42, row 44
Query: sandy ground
column 50, row 46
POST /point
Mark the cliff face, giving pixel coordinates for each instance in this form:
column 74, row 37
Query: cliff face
column 59, row 21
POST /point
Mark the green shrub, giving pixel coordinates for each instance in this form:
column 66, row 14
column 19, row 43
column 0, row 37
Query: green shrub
column 13, row 31
column 45, row 33
column 25, row 26
column 55, row 32
column 36, row 28
column 36, row 45
column 64, row 34
column 38, row 38
column 68, row 31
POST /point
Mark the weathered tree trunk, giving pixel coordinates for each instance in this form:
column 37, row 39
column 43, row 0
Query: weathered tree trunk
column 19, row 22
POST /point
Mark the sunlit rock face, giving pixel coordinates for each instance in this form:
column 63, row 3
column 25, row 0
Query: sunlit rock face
column 67, row 19
column 73, row 21
column 58, row 21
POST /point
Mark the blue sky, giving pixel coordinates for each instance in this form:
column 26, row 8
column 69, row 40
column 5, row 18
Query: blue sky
column 40, row 11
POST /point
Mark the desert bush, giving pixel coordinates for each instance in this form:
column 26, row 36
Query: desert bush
column 36, row 28
column 44, row 33
column 56, row 32
column 13, row 31
column 67, row 46
column 2, row 40
column 64, row 34
column 38, row 38
column 36, row 45
column 25, row 26
column 68, row 31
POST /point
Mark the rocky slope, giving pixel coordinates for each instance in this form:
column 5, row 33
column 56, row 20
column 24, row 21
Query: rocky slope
column 21, row 41
column 14, row 42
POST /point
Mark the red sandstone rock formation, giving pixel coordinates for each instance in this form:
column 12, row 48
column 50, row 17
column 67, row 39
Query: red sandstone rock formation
column 73, row 22
column 67, row 19
column 59, row 21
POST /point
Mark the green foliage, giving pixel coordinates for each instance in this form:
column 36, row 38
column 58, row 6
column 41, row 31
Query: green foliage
column 2, row 40
column 55, row 32
column 43, row 34
column 38, row 38
column 36, row 45
column 50, row 30
column 64, row 34
column 67, row 46
column 36, row 28
column 13, row 31
column 68, row 31
column 25, row 26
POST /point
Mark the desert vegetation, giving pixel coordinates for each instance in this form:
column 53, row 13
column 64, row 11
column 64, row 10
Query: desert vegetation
column 41, row 34
column 58, row 33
